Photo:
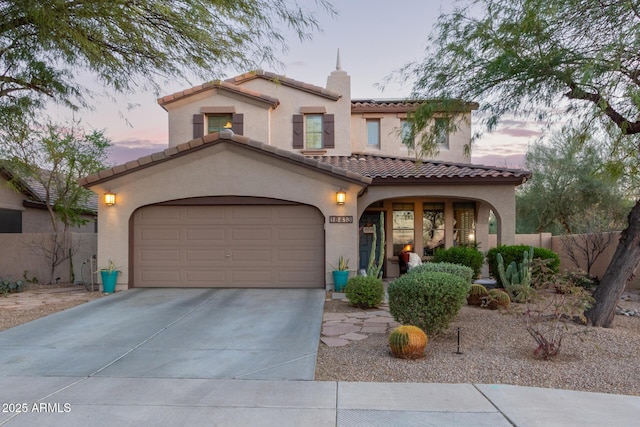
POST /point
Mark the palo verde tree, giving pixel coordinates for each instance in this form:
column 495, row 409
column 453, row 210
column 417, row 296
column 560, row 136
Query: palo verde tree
column 572, row 190
column 53, row 158
column 131, row 44
column 536, row 57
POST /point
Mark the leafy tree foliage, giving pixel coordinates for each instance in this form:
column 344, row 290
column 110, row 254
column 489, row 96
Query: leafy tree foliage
column 572, row 190
column 127, row 44
column 580, row 58
column 53, row 158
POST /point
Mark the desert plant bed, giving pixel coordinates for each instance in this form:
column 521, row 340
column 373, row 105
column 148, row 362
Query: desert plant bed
column 496, row 349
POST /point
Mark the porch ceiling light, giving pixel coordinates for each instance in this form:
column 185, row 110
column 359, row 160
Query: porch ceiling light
column 109, row 199
column 341, row 197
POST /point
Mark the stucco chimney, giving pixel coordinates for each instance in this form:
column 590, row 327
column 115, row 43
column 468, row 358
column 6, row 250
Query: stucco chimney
column 339, row 81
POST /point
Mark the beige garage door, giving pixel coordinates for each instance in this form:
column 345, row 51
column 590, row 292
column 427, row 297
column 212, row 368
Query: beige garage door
column 278, row 246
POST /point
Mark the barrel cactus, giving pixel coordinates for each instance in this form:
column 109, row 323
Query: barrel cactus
column 476, row 293
column 495, row 299
column 408, row 342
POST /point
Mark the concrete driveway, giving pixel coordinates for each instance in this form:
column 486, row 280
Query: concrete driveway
column 173, row 333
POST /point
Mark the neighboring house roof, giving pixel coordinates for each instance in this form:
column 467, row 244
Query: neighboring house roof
column 406, row 105
column 35, row 193
column 395, row 170
column 218, row 84
column 214, row 139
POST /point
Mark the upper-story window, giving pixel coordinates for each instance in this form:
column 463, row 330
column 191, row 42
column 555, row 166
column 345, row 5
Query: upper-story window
column 441, row 129
column 373, row 133
column 313, row 131
column 406, row 133
column 216, row 119
column 219, row 122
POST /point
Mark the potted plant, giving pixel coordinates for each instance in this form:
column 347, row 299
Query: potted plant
column 109, row 277
column 340, row 274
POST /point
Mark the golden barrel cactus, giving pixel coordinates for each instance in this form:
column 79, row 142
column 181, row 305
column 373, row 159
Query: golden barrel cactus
column 408, row 342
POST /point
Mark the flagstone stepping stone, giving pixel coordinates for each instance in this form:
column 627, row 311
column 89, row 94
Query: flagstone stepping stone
column 335, row 342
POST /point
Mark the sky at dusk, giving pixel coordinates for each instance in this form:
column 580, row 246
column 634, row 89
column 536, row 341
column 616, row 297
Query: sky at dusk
column 374, row 41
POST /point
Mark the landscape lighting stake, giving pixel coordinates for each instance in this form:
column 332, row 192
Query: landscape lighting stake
column 458, row 352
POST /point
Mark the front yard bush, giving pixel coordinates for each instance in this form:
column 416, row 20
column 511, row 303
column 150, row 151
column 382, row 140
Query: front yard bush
column 462, row 255
column 514, row 253
column 428, row 300
column 445, row 267
column 364, row 291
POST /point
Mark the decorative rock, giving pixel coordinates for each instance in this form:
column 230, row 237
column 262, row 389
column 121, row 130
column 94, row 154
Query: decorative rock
column 353, row 337
column 335, row 330
column 334, row 342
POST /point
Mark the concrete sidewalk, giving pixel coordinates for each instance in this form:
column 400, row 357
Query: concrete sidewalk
column 104, row 401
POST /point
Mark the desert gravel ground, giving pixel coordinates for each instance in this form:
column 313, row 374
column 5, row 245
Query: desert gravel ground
column 39, row 301
column 496, row 349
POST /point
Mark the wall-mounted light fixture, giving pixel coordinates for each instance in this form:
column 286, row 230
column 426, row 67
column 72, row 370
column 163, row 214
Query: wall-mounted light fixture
column 341, row 197
column 109, row 199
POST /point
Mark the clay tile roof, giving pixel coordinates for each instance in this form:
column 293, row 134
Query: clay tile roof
column 222, row 85
column 285, row 81
column 387, row 170
column 217, row 138
column 405, row 105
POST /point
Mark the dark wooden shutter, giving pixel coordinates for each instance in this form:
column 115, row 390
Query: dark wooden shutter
column 328, row 130
column 198, row 126
column 298, row 131
column 237, row 121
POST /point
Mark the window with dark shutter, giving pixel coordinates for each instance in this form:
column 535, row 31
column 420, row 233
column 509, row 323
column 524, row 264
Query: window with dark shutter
column 237, row 121
column 298, row 131
column 198, row 126
column 328, row 130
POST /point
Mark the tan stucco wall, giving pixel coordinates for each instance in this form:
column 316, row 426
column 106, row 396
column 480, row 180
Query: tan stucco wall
column 9, row 199
column 21, row 252
column 180, row 114
column 290, row 102
column 391, row 143
column 224, row 170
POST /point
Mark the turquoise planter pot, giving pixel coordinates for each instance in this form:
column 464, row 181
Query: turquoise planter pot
column 340, row 278
column 109, row 280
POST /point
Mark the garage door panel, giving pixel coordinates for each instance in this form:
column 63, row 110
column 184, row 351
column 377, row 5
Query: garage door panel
column 150, row 234
column 299, row 235
column 206, row 278
column 252, row 234
column 212, row 236
column 195, row 255
column 252, row 256
column 160, row 255
column 228, row 246
column 164, row 276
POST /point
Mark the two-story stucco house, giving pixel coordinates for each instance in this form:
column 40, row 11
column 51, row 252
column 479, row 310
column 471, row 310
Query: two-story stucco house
column 268, row 180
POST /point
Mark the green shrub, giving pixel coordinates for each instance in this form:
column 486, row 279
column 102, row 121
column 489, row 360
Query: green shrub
column 514, row 253
column 9, row 285
column 462, row 255
column 428, row 300
column 364, row 291
column 445, row 267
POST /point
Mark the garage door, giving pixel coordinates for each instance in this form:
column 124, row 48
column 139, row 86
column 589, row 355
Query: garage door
column 228, row 246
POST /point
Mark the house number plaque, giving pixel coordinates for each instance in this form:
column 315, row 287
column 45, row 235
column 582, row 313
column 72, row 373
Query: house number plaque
column 341, row 219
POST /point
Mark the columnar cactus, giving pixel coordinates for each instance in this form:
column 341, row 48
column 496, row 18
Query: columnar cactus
column 516, row 279
column 408, row 342
column 375, row 268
